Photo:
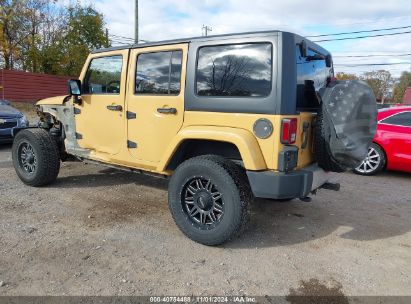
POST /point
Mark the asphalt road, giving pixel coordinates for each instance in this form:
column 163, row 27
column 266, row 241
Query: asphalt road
column 99, row 231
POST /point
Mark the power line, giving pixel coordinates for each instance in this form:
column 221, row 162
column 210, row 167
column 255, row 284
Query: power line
column 118, row 39
column 359, row 32
column 366, row 21
column 120, row 42
column 371, row 64
column 128, row 40
column 362, row 37
column 371, row 52
column 372, row 55
column 324, row 35
column 122, row 37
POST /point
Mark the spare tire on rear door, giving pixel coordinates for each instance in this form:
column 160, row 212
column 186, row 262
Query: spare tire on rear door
column 346, row 125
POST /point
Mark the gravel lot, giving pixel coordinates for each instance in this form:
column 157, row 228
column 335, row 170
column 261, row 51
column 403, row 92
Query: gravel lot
column 99, row 231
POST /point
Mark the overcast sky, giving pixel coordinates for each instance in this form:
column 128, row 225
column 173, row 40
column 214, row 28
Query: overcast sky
column 166, row 19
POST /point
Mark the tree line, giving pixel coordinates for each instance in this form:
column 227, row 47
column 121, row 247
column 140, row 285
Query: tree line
column 45, row 36
column 386, row 88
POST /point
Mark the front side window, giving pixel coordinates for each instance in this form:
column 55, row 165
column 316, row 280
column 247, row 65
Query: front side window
column 104, row 76
column 236, row 70
column 159, row 73
column 401, row 119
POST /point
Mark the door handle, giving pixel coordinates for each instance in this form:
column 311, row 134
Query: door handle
column 167, row 110
column 115, row 108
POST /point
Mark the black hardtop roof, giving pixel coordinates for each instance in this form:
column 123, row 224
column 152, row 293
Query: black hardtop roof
column 201, row 38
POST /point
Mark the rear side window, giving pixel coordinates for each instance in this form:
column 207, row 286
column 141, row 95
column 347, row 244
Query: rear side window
column 401, row 119
column 235, row 70
column 103, row 75
column 159, row 73
column 311, row 75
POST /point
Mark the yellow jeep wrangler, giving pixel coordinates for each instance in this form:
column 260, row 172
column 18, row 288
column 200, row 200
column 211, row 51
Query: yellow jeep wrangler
column 227, row 118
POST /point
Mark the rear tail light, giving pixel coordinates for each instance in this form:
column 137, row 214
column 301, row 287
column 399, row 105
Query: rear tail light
column 289, row 131
column 331, row 79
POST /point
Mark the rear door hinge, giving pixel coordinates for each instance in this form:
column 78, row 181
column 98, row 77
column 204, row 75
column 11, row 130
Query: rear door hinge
column 306, row 134
column 131, row 115
column 131, row 144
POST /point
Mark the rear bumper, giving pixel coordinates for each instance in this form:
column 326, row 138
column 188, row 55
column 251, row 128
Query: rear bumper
column 281, row 185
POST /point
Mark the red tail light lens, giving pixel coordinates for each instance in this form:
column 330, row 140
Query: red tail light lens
column 289, row 131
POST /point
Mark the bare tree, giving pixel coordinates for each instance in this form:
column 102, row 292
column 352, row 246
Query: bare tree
column 25, row 26
column 230, row 76
column 381, row 82
column 11, row 31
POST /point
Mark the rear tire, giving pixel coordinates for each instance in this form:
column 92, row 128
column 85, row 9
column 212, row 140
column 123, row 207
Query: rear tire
column 374, row 163
column 36, row 157
column 209, row 199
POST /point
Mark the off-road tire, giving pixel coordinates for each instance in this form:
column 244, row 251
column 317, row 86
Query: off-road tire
column 322, row 150
column 47, row 157
column 231, row 180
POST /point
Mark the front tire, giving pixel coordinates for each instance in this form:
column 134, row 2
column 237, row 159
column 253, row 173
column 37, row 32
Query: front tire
column 35, row 157
column 374, row 162
column 209, row 198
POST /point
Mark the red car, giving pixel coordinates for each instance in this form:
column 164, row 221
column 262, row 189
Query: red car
column 391, row 148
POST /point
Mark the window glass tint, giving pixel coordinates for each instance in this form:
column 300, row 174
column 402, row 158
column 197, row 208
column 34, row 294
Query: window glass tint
column 235, row 70
column 401, row 119
column 104, row 76
column 311, row 76
column 159, row 73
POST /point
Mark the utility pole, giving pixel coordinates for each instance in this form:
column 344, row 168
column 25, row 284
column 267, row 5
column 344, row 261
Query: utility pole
column 136, row 23
column 207, row 29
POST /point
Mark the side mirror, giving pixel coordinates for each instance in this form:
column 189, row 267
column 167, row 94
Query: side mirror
column 74, row 87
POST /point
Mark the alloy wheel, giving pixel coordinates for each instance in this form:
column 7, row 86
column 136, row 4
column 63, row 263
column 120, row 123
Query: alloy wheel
column 202, row 202
column 371, row 162
column 27, row 158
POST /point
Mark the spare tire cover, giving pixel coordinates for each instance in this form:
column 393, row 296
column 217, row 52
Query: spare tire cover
column 350, row 121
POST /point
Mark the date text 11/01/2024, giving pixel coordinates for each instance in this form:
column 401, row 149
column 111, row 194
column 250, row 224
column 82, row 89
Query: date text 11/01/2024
column 203, row 299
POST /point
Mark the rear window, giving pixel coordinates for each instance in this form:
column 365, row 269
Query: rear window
column 311, row 74
column 235, row 70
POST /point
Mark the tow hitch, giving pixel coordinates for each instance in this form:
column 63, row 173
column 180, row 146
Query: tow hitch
column 326, row 186
column 331, row 186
